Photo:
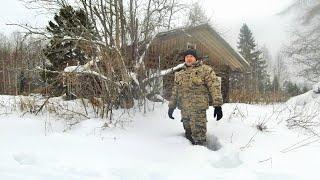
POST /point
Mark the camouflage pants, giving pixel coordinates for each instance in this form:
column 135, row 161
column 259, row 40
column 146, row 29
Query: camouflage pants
column 195, row 126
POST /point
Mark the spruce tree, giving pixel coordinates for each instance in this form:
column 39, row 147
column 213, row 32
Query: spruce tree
column 258, row 79
column 246, row 43
column 275, row 84
column 69, row 23
column 65, row 47
column 60, row 52
column 291, row 89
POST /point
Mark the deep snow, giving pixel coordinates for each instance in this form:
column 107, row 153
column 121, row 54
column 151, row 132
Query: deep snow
column 152, row 145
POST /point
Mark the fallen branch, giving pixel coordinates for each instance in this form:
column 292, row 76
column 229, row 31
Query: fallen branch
column 251, row 139
column 163, row 72
column 74, row 112
column 43, row 105
column 301, row 143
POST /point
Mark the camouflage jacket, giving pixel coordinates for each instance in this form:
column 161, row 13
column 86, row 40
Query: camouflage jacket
column 194, row 87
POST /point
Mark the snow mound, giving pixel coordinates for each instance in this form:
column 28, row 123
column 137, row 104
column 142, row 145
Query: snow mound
column 24, row 158
column 303, row 112
column 309, row 98
column 316, row 88
column 228, row 160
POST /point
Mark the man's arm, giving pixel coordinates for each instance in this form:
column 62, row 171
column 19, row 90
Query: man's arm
column 174, row 94
column 214, row 86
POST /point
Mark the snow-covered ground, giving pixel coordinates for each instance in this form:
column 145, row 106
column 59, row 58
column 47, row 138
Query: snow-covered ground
column 152, row 146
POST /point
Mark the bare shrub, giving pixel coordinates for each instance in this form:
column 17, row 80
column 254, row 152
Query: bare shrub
column 251, row 97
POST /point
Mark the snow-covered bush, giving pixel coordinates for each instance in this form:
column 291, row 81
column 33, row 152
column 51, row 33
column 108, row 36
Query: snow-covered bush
column 304, row 111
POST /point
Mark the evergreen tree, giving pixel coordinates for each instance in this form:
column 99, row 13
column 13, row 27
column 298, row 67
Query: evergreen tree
column 22, row 82
column 246, row 44
column 304, row 89
column 248, row 49
column 280, row 68
column 65, row 47
column 267, row 84
column 275, row 84
column 266, row 56
column 69, row 23
column 291, row 89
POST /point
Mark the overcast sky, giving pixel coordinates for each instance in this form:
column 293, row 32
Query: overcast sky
column 227, row 15
column 260, row 15
column 13, row 11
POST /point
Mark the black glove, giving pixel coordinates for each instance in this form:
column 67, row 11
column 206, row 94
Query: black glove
column 218, row 112
column 170, row 112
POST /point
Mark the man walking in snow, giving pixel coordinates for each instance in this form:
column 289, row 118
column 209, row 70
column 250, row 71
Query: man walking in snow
column 194, row 87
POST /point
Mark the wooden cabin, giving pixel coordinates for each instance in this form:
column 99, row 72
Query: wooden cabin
column 165, row 52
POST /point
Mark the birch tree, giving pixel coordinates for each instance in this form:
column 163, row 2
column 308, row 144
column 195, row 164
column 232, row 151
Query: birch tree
column 304, row 48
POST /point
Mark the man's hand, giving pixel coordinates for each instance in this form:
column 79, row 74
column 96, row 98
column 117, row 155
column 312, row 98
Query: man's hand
column 218, row 112
column 170, row 112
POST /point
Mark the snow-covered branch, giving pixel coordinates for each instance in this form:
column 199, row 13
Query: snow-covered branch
column 164, row 72
column 140, row 62
column 134, row 78
column 47, row 70
column 81, row 69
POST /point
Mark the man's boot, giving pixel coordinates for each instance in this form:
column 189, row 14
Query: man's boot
column 200, row 143
column 189, row 137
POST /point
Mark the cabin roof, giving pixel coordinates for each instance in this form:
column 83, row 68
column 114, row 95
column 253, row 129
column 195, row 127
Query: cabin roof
column 217, row 48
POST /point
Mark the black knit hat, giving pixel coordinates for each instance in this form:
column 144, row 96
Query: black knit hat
column 192, row 52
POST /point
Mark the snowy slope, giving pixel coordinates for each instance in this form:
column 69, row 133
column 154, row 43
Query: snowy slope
column 152, row 146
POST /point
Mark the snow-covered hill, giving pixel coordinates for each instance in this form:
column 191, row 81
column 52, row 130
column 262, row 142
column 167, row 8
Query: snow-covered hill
column 152, row 146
